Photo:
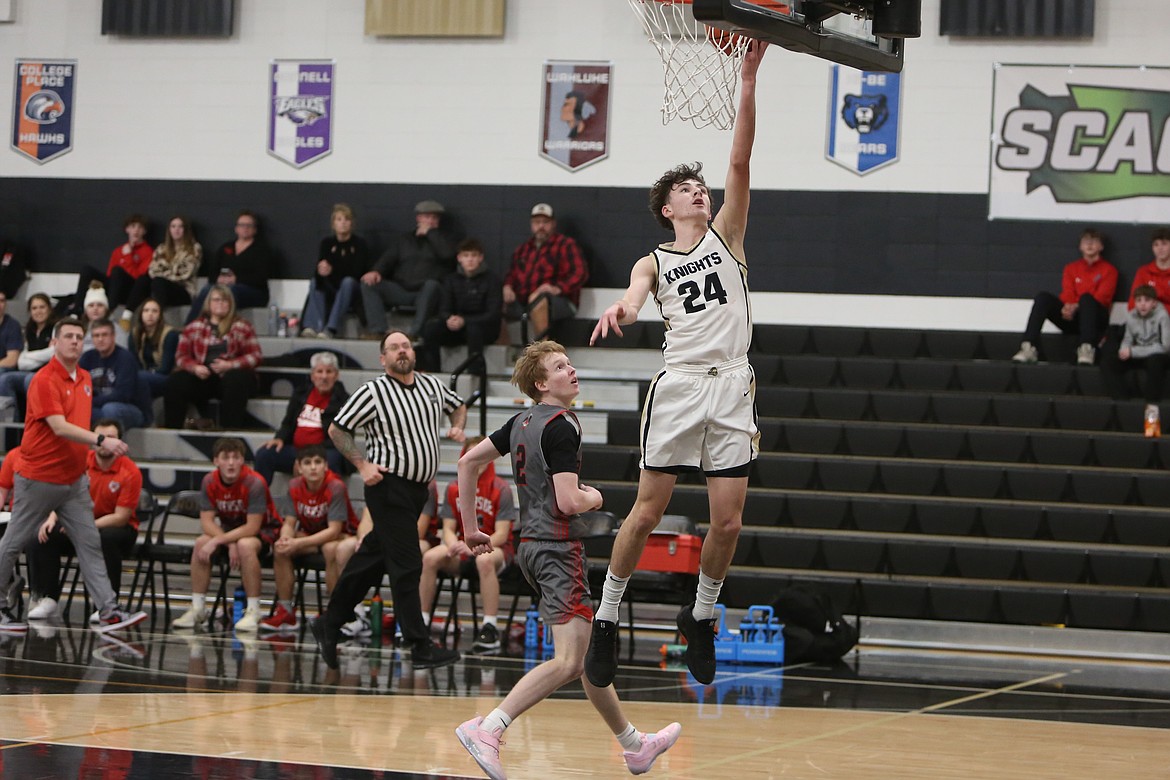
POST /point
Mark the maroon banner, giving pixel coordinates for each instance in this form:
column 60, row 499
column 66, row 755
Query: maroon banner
column 574, row 130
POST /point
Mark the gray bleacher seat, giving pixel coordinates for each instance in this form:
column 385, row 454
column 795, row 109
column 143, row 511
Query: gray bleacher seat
column 793, row 474
column 1037, row 484
column 840, row 342
column 899, row 406
column 1084, row 414
column 962, row 602
column 926, row 374
column 1033, row 606
column 1053, row 565
column 787, row 552
column 1125, row 451
column 834, row 404
column 1107, row 567
column 935, row 443
column 982, row 377
column 1058, row 449
column 1047, row 379
column 849, row 476
column 895, row 599
column 973, row 481
column 817, row 511
column 997, row 444
column 919, row 558
column 1012, row 521
column 874, row 441
column 866, row 373
column 880, row 514
column 986, row 562
column 865, row 556
column 952, row 345
column 895, row 342
column 960, row 408
column 763, row 508
column 781, row 339
column 1132, row 526
column 1018, row 411
column 946, row 517
column 809, row 370
column 1152, row 613
column 909, row 477
column 1074, row 524
column 1102, row 611
column 813, row 436
column 1091, row 487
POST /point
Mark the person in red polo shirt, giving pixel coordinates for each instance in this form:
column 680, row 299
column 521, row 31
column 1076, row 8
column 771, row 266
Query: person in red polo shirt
column 51, row 476
column 115, row 483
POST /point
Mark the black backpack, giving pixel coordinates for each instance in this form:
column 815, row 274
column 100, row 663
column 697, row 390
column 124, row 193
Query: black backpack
column 814, row 631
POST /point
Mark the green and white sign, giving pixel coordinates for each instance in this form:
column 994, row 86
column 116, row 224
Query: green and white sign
column 1081, row 143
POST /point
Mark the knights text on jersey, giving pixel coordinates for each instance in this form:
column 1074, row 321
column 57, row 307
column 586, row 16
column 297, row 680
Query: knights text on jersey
column 703, row 297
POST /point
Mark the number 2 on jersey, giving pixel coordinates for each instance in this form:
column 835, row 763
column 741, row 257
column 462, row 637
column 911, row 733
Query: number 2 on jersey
column 712, row 291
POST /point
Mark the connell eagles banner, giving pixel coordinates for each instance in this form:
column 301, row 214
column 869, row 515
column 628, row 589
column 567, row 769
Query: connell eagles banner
column 1089, row 144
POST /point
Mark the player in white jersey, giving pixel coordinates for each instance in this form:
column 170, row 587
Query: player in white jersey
column 700, row 409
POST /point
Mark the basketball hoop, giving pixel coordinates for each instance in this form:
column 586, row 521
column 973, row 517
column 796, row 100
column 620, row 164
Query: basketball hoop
column 700, row 63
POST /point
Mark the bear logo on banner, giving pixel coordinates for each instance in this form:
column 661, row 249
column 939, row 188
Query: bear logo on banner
column 864, row 108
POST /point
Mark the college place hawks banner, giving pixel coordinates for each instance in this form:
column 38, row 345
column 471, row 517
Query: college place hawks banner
column 864, row 112
column 574, row 128
column 42, row 110
column 300, row 110
column 1088, row 144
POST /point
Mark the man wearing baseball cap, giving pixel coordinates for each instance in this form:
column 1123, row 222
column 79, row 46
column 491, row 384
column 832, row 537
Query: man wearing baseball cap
column 547, row 274
column 409, row 272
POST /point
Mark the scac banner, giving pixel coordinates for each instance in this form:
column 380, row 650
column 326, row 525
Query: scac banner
column 1087, row 144
column 42, row 111
column 864, row 112
column 574, row 128
column 300, row 111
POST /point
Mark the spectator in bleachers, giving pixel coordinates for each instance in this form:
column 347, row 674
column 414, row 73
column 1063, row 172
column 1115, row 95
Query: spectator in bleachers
column 319, row 508
column 242, row 264
column 547, row 274
column 1146, row 344
column 337, row 553
column 409, row 272
column 174, row 266
column 155, row 345
column 128, row 262
column 307, row 418
column 38, row 332
column 1155, row 273
column 13, row 268
column 1086, row 295
column 470, row 308
column 115, row 484
column 496, row 513
column 11, row 337
column 342, row 259
column 117, row 392
column 96, row 307
column 217, row 358
column 237, row 515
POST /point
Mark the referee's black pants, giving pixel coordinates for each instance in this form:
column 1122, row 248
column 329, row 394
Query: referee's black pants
column 391, row 548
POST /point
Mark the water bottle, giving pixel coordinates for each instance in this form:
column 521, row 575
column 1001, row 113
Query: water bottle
column 293, row 325
column 532, row 628
column 241, row 601
column 376, row 619
column 282, row 327
column 547, row 643
column 273, row 319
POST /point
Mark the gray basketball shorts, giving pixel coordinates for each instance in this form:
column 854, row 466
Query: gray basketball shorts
column 558, row 571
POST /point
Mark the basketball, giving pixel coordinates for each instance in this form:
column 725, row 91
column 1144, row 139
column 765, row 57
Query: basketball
column 722, row 40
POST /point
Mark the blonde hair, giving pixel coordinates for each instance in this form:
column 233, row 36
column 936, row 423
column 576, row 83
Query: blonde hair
column 226, row 323
column 341, row 208
column 530, row 368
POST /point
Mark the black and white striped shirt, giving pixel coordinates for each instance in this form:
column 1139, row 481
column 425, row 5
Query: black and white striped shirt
column 402, row 423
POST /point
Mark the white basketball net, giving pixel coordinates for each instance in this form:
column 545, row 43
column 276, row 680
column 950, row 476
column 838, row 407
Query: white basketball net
column 701, row 78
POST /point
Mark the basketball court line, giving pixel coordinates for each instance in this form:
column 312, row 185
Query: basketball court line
column 703, row 769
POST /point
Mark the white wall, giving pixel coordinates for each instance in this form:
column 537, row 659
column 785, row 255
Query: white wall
column 466, row 111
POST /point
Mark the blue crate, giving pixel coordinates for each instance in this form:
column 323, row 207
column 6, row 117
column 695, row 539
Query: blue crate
column 726, row 643
column 761, row 637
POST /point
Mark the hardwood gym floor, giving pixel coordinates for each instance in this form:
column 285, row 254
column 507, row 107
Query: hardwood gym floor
column 161, row 705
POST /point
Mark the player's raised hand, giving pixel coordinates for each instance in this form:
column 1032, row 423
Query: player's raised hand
column 610, row 320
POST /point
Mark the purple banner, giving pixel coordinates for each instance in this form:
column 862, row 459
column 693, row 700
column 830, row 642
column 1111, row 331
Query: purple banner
column 300, row 110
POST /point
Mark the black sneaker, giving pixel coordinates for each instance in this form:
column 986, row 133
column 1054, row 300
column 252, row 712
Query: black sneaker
column 116, row 620
column 700, row 652
column 10, row 624
column 601, row 658
column 327, row 644
column 426, row 655
column 487, row 640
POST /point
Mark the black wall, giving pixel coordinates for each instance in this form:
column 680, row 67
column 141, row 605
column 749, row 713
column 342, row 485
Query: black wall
column 845, row 242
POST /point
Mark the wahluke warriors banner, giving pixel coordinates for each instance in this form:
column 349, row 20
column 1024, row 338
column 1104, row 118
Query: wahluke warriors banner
column 1088, row 144
column 574, row 120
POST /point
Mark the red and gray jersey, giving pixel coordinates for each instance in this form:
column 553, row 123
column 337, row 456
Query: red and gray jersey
column 315, row 509
column 544, row 440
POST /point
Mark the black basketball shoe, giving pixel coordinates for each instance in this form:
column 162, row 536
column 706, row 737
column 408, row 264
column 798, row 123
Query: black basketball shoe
column 601, row 658
column 700, row 652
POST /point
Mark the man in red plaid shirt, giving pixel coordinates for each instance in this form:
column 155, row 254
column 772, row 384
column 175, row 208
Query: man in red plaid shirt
column 548, row 262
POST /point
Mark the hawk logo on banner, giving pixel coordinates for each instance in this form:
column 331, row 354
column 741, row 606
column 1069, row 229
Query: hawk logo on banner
column 300, row 111
column 864, row 109
column 1080, row 143
column 574, row 129
column 42, row 111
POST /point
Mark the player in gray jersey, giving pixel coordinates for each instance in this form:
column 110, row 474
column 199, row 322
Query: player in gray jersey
column 700, row 411
column 545, row 444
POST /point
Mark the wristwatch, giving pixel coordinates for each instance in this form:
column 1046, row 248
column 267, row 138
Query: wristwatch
column 101, row 437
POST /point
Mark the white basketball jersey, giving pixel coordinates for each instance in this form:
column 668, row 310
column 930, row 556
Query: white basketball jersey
column 703, row 297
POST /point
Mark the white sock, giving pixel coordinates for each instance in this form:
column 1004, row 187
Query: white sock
column 199, row 602
column 611, row 597
column 286, row 603
column 254, row 603
column 426, row 618
column 489, row 620
column 705, row 597
column 630, row 738
column 496, row 719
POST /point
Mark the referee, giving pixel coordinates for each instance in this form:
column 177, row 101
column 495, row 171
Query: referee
column 400, row 414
